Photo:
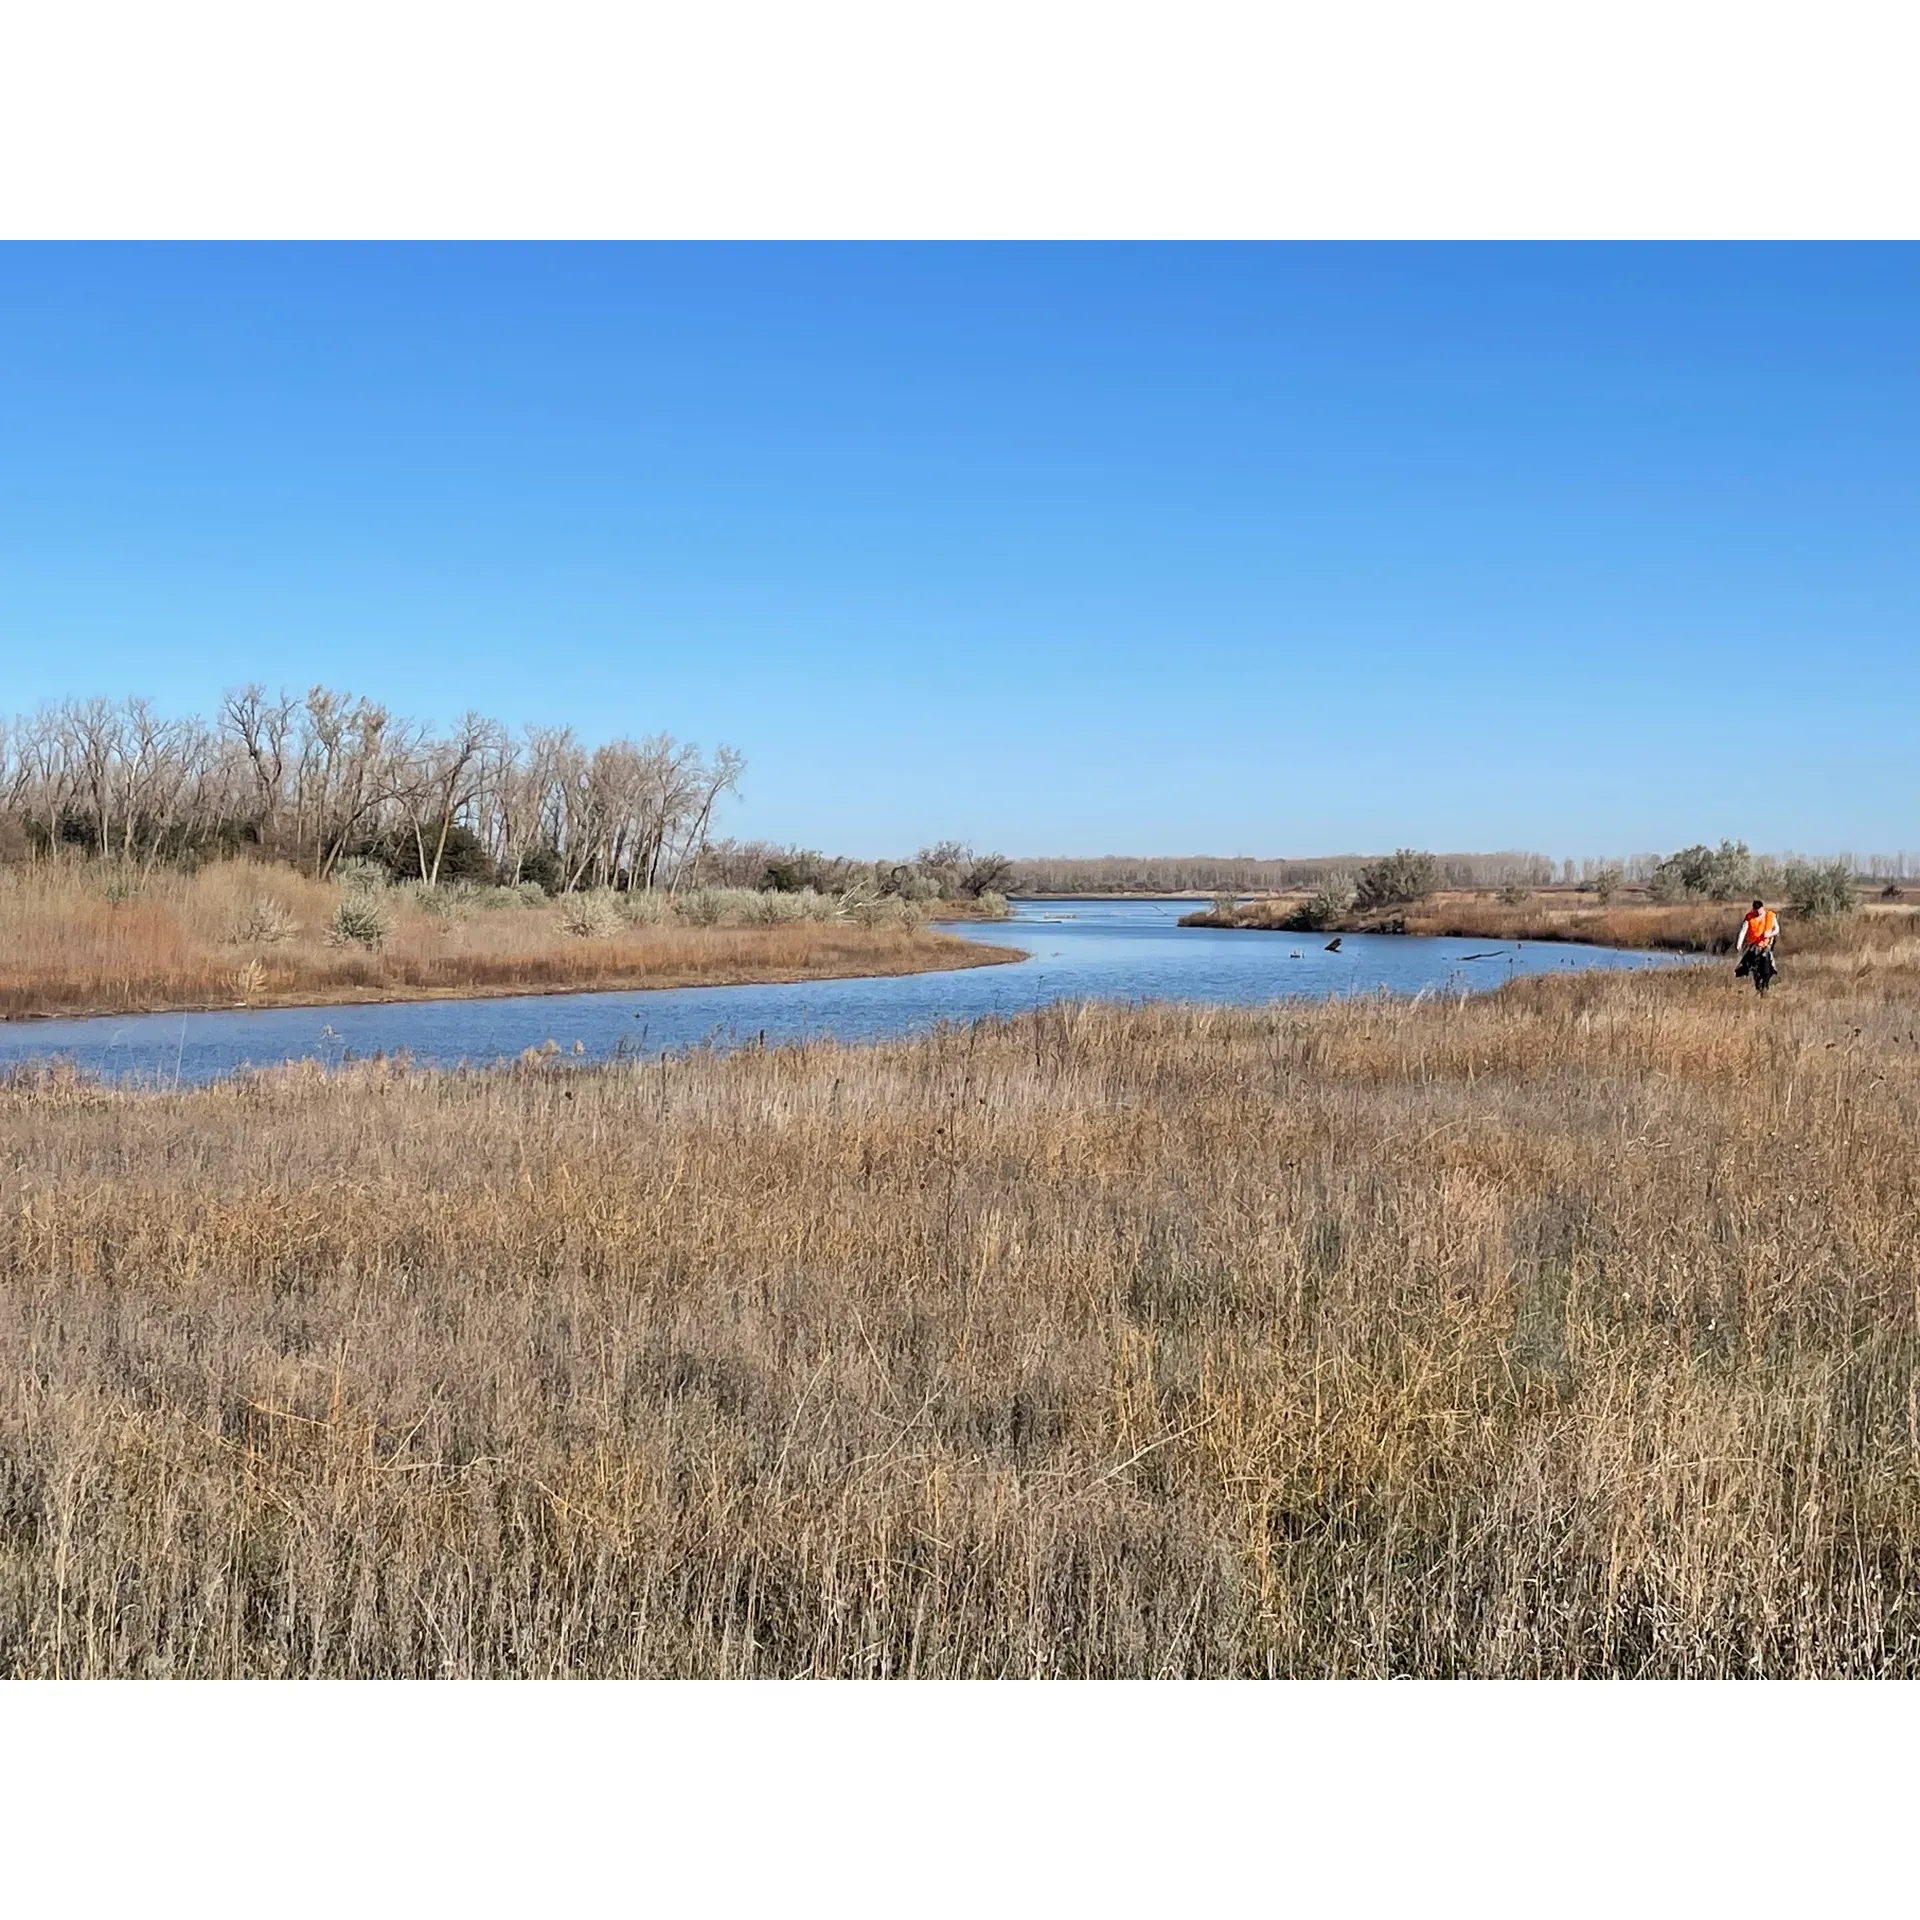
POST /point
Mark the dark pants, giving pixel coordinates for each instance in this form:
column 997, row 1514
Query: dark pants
column 1757, row 961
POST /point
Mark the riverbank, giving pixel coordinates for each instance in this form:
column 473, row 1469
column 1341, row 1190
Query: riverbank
column 245, row 935
column 1478, row 1336
column 1641, row 925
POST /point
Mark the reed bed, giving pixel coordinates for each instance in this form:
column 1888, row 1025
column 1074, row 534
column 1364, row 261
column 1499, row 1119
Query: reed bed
column 81, row 939
column 1574, row 1330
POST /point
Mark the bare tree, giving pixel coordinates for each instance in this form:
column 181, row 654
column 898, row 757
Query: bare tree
column 310, row 778
column 722, row 777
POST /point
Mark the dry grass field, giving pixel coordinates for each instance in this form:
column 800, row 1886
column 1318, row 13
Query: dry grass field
column 1574, row 1330
column 71, row 943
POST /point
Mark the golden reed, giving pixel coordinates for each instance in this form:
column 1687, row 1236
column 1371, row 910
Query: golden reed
column 1570, row 1331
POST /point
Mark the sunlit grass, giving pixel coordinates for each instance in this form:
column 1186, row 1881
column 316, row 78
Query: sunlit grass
column 1570, row 1330
column 82, row 939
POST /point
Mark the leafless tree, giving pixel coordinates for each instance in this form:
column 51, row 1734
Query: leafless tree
column 311, row 778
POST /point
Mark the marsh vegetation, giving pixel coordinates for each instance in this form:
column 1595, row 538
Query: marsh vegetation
column 1685, row 903
column 1568, row 1330
column 86, row 937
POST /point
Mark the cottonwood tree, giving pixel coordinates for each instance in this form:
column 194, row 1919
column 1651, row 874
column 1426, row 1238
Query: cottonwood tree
column 313, row 778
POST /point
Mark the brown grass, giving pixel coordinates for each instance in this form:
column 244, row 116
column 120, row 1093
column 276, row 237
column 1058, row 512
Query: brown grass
column 1559, row 914
column 1574, row 1330
column 1680, row 927
column 67, row 946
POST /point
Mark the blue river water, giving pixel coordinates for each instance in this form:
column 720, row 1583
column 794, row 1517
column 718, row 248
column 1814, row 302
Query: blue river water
column 1119, row 950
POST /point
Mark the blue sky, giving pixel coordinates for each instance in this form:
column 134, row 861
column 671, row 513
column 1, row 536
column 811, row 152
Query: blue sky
column 1255, row 549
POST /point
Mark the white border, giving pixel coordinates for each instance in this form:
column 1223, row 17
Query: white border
column 1000, row 118
column 958, row 1799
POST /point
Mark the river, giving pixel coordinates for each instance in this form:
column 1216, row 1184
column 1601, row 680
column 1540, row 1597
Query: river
column 1122, row 950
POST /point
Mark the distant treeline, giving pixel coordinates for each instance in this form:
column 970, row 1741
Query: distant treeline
column 1209, row 874
column 322, row 777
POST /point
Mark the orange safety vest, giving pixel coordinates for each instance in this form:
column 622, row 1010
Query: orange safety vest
column 1761, row 927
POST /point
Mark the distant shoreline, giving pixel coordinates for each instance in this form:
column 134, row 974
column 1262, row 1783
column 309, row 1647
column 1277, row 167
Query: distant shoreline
column 1629, row 925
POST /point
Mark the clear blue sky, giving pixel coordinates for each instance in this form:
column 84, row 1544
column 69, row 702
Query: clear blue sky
column 1252, row 549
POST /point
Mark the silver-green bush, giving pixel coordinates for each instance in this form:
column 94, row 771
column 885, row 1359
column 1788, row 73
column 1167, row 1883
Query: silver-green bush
column 262, row 922
column 1701, row 872
column 590, row 916
column 357, row 875
column 359, row 920
column 1330, row 901
column 1822, row 891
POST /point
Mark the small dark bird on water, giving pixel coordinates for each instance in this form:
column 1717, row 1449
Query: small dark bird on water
column 1333, row 945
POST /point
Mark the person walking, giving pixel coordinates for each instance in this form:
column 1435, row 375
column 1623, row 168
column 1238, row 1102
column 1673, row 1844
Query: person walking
column 1758, row 932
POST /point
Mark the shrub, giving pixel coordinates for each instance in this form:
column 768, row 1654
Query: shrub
column 647, row 908
column 1515, row 894
column 1820, row 892
column 1330, row 901
column 1701, row 872
column 886, row 910
column 1606, row 883
column 590, row 916
column 703, row 907
column 1397, row 880
column 994, row 905
column 262, row 923
column 987, row 873
column 503, row 899
column 1226, row 908
column 776, row 909
column 359, row 920
column 360, row 875
column 451, row 900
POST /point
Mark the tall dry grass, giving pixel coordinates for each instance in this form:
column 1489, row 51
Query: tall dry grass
column 83, row 939
column 1693, row 926
column 1572, row 1331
